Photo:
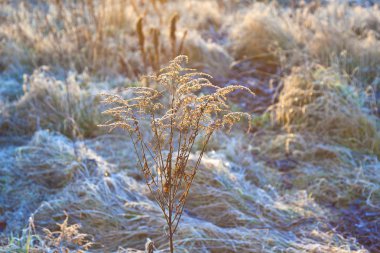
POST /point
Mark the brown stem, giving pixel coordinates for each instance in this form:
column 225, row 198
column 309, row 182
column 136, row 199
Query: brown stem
column 171, row 235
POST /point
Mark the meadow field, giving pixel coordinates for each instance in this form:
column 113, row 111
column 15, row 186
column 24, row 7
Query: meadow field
column 298, row 171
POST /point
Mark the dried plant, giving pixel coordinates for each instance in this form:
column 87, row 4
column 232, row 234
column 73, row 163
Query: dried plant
column 67, row 236
column 173, row 28
column 140, row 33
column 151, row 43
column 178, row 115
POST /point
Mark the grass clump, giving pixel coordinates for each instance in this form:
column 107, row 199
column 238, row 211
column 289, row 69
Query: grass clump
column 53, row 160
column 321, row 101
column 49, row 103
column 260, row 34
column 49, row 159
column 113, row 208
column 355, row 43
column 210, row 57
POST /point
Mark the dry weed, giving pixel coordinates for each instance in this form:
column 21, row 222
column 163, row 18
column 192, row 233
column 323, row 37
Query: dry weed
column 186, row 116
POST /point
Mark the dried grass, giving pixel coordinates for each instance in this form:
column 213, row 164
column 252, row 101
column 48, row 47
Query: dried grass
column 307, row 179
column 116, row 210
column 321, row 101
column 272, row 37
column 260, row 34
column 49, row 103
column 48, row 160
column 355, row 42
column 209, row 57
column 119, row 212
column 100, row 37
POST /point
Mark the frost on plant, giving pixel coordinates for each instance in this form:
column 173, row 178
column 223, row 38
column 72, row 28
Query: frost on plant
column 183, row 106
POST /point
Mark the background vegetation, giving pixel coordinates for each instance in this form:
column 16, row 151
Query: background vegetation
column 306, row 178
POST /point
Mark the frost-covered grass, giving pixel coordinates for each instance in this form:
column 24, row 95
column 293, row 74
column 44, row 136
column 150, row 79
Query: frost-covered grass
column 305, row 179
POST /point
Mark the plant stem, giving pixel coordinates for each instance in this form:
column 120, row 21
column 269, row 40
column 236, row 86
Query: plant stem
column 171, row 238
column 170, row 224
